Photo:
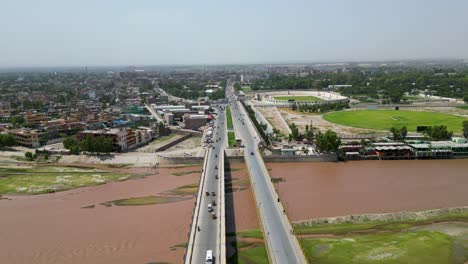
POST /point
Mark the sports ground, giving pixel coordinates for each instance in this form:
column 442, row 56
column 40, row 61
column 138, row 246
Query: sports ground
column 385, row 119
column 298, row 98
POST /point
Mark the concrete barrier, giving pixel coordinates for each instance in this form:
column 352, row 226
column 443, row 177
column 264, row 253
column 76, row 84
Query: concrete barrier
column 222, row 212
column 193, row 228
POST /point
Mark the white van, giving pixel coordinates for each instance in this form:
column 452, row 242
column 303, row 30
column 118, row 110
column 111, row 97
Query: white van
column 209, row 257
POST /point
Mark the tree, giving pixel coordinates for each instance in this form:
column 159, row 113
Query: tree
column 327, row 142
column 70, row 142
column 161, row 129
column 295, row 135
column 309, row 133
column 438, row 133
column 399, row 133
column 465, row 99
column 7, row 140
column 29, row 156
column 465, row 128
column 294, row 106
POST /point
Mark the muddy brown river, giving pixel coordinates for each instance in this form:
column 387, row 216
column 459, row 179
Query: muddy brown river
column 53, row 228
column 323, row 189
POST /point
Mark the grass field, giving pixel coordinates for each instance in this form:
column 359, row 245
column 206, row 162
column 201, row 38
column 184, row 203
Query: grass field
column 423, row 247
column 231, row 139
column 298, row 98
column 464, row 107
column 30, row 180
column 445, row 236
column 229, row 118
column 385, row 119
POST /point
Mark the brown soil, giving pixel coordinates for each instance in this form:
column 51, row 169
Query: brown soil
column 245, row 212
column 326, row 189
column 54, row 228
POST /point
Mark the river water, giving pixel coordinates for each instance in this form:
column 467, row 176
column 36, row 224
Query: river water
column 53, row 228
column 327, row 189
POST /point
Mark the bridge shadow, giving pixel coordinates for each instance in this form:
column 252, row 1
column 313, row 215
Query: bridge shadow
column 231, row 239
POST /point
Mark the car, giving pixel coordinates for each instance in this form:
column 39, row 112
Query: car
column 213, row 215
column 209, row 257
column 213, row 193
column 210, row 208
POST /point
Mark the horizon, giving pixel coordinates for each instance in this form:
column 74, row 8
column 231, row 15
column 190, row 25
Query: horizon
column 53, row 33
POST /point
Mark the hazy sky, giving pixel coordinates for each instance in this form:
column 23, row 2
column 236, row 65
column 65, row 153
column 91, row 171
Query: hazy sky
column 148, row 32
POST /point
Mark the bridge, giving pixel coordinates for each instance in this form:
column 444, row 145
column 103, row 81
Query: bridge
column 208, row 228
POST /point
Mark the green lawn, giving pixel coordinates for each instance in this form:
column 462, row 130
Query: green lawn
column 229, row 118
column 231, row 139
column 385, row 119
column 30, row 180
column 246, row 88
column 423, row 247
column 298, row 98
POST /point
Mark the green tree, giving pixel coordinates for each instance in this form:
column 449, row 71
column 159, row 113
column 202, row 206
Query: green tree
column 295, row 135
column 327, row 142
column 438, row 133
column 29, row 156
column 465, row 128
column 309, row 134
column 465, row 99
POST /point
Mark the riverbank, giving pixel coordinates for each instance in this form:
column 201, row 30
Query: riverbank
column 403, row 237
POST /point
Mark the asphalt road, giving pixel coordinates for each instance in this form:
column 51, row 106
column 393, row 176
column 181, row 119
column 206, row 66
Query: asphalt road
column 282, row 245
column 208, row 236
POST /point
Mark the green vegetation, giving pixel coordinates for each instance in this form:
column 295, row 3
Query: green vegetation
column 259, row 126
column 327, row 142
column 390, row 225
column 231, row 139
column 399, row 133
column 246, row 88
column 320, row 108
column 163, row 138
column 410, row 247
column 229, row 118
column 302, row 98
column 183, row 173
column 251, row 233
column 392, row 241
column 387, row 83
column 89, row 144
column 37, row 180
column 250, row 247
column 438, row 132
column 145, row 200
column 464, row 107
column 7, row 140
column 385, row 119
column 189, row 189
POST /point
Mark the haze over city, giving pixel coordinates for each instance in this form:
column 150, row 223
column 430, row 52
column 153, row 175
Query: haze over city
column 234, row 132
column 144, row 32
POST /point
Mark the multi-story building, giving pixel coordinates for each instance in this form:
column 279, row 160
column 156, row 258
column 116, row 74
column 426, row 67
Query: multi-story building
column 118, row 136
column 26, row 137
column 34, row 119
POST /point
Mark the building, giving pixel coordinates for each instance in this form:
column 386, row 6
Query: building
column 34, row 119
column 118, row 136
column 195, row 121
column 26, row 137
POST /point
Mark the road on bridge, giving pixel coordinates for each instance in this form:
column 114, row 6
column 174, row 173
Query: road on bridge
column 282, row 244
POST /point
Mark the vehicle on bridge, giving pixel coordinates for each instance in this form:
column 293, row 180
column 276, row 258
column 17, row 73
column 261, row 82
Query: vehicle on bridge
column 209, row 257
